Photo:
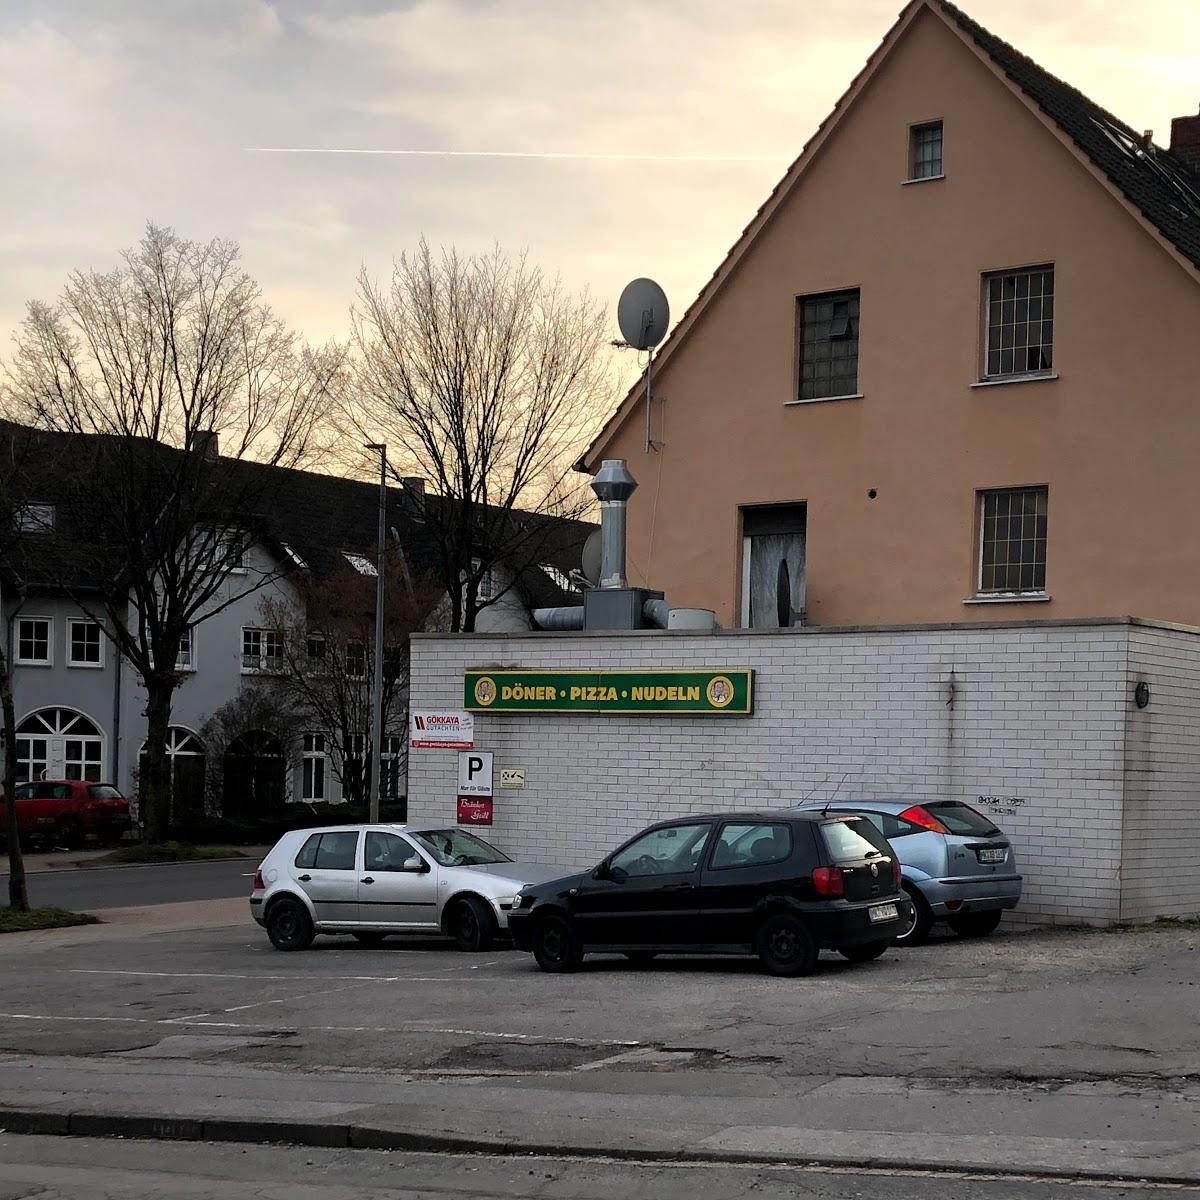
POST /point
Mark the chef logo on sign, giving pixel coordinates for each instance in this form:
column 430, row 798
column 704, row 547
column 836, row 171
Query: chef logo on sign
column 485, row 690
column 720, row 691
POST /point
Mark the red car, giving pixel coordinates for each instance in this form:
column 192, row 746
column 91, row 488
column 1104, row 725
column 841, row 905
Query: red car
column 66, row 811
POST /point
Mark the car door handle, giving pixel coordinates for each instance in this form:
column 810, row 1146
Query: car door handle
column 304, row 878
column 678, row 887
column 367, row 880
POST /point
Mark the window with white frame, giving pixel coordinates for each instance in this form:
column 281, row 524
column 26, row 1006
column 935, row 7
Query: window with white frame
column 356, row 660
column 1012, row 541
column 35, row 518
column 773, row 566
column 85, row 644
column 391, row 770
column 925, row 151
column 354, row 751
column 185, row 657
column 262, row 649
column 35, row 644
column 221, row 549
column 488, row 587
column 315, row 647
column 1019, row 315
column 314, row 766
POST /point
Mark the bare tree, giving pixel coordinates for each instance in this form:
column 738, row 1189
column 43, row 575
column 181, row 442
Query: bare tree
column 14, row 447
column 179, row 388
column 482, row 376
column 328, row 660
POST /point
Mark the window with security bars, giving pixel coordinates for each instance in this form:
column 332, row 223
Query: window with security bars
column 828, row 337
column 1012, row 540
column 925, row 159
column 1020, row 322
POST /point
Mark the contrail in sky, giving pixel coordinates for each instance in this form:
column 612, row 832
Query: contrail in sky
column 682, row 158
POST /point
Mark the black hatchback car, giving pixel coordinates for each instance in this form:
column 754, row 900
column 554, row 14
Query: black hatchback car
column 782, row 885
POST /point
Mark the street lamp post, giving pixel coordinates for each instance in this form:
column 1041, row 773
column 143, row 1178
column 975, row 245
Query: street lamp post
column 377, row 678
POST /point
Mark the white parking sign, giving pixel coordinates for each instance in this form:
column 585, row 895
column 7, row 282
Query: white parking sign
column 475, row 773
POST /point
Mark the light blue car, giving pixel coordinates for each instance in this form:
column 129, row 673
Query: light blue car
column 955, row 864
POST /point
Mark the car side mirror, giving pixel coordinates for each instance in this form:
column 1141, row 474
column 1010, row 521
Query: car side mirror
column 601, row 871
column 415, row 864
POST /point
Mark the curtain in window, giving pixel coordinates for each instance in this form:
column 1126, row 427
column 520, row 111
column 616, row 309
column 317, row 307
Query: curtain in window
column 776, row 579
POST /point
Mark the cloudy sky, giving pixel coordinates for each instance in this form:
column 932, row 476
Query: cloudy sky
column 113, row 112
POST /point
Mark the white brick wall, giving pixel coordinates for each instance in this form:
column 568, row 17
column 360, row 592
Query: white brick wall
column 1161, row 871
column 1038, row 717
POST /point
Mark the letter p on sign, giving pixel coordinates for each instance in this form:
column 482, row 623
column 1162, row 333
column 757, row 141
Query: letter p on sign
column 475, row 773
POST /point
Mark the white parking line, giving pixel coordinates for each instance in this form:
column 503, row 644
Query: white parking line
column 408, row 1027
column 281, row 978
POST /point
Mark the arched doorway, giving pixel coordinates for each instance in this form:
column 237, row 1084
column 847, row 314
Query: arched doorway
column 59, row 743
column 185, row 753
column 254, row 776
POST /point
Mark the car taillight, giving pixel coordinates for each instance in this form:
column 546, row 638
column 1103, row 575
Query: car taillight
column 828, row 881
column 896, row 868
column 923, row 817
column 258, row 880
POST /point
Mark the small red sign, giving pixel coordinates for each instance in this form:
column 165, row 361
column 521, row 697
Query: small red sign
column 474, row 810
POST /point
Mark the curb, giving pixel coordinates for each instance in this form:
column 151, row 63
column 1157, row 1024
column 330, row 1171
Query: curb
column 366, row 1137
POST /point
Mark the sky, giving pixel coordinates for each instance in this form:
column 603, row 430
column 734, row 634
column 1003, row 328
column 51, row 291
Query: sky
column 116, row 112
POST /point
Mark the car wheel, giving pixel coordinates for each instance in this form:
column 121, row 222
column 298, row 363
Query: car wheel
column 641, row 957
column 785, row 947
column 472, row 925
column 865, row 952
column 556, row 945
column 289, row 926
column 976, row 924
column 916, row 933
column 70, row 835
column 369, row 937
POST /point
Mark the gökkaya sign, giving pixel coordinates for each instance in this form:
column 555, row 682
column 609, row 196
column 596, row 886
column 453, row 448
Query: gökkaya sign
column 723, row 693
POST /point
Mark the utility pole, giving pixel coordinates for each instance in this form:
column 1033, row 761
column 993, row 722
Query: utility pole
column 377, row 678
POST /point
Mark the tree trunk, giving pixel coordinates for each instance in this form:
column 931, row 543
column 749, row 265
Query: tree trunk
column 18, row 893
column 155, row 781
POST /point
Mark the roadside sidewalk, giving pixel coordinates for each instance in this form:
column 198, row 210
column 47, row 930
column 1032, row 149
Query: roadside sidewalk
column 122, row 923
column 1105, row 1130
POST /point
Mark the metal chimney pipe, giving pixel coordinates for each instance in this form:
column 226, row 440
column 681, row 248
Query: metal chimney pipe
column 614, row 485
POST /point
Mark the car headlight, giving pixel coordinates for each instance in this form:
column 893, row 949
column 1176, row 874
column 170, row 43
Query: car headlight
column 510, row 901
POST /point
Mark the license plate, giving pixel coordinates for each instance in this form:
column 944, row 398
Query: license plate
column 883, row 912
column 991, row 856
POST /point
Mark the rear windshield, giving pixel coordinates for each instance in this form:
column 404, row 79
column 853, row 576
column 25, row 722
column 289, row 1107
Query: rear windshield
column 961, row 818
column 854, row 839
column 103, row 791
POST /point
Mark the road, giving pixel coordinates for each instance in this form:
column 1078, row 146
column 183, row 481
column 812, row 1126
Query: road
column 88, row 889
column 90, row 1169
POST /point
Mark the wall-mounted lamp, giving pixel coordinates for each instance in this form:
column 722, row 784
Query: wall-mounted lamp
column 1141, row 694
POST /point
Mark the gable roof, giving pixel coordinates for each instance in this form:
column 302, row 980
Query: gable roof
column 1160, row 185
column 318, row 518
column 1153, row 183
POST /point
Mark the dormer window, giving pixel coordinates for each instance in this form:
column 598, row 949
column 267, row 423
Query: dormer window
column 35, row 518
column 925, row 151
column 362, row 564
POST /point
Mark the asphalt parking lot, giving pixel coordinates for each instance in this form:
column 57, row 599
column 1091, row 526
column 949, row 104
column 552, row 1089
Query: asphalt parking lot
column 1020, row 1005
column 1028, row 1043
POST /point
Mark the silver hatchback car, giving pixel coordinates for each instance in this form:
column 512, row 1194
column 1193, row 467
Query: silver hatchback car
column 372, row 880
column 956, row 865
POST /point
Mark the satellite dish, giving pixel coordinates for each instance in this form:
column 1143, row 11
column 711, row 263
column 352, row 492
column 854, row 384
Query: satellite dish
column 591, row 558
column 643, row 314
